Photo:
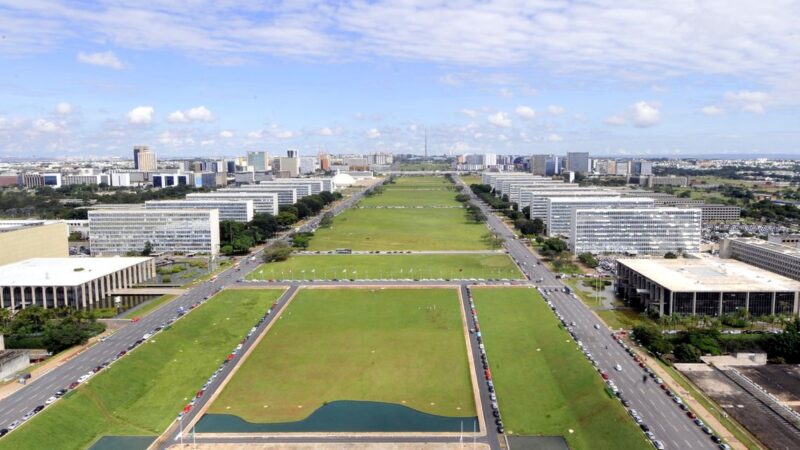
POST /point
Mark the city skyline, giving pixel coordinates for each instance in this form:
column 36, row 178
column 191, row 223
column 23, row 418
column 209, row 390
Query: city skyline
column 605, row 77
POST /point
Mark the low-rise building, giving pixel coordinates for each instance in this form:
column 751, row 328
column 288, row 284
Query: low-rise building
column 69, row 282
column 121, row 231
column 778, row 258
column 636, row 231
column 286, row 195
column 705, row 286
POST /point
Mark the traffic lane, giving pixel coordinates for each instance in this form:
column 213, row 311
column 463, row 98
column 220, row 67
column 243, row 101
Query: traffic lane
column 656, row 408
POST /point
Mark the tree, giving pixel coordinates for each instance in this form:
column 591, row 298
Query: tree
column 785, row 345
column 278, row 252
column 670, row 255
column 553, row 246
column 588, row 260
column 526, row 211
column 302, row 240
column 462, row 198
column 285, row 219
column 327, row 220
column 265, row 224
column 646, row 334
column 148, row 248
column 687, row 353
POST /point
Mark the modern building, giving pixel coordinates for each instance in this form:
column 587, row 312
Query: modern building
column 792, row 240
column 545, row 165
column 538, row 202
column 577, row 162
column 235, row 210
column 778, row 258
column 559, row 210
column 288, row 166
column 121, row 231
column 317, row 185
column 259, row 161
column 69, row 282
column 656, row 180
column 308, row 165
column 24, row 239
column 636, row 231
column 69, row 180
column 210, row 179
column 492, row 178
column 641, row 168
column 162, row 180
column 263, row 202
column 705, row 286
column 286, row 195
column 715, row 212
column 143, row 159
column 380, row 159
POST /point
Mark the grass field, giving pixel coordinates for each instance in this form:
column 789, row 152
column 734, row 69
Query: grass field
column 401, row 229
column 412, row 197
column 471, row 179
column 420, row 182
column 544, row 385
column 623, row 318
column 403, row 346
column 143, row 392
column 327, row 267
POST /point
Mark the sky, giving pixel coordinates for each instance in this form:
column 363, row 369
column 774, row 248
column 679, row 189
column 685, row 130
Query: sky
column 219, row 78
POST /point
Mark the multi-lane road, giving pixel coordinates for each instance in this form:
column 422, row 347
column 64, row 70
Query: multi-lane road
column 39, row 389
column 666, row 420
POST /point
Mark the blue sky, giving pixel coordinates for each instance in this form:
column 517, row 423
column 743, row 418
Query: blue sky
column 204, row 78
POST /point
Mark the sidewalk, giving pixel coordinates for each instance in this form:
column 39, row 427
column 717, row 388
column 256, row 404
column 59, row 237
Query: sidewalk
column 696, row 407
column 50, row 364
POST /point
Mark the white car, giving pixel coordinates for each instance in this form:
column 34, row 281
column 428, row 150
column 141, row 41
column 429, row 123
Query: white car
column 49, row 400
column 618, row 368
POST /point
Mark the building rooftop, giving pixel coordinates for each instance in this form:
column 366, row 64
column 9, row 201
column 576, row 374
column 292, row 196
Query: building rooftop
column 614, row 199
column 62, row 271
column 785, row 250
column 709, row 274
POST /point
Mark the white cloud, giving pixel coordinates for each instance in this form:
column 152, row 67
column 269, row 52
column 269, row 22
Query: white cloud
column 469, row 113
column 64, row 108
column 526, row 112
column 554, row 138
column 284, row 134
column 500, row 119
column 197, row 114
column 645, row 114
column 325, row 132
column 506, row 93
column 45, row 126
column 616, row 120
column 104, row 59
column 226, row 134
column 373, row 133
column 257, row 134
column 556, row 110
column 750, row 101
column 712, row 110
column 141, row 115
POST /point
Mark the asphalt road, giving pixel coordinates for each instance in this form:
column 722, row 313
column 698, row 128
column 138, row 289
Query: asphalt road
column 666, row 420
column 39, row 389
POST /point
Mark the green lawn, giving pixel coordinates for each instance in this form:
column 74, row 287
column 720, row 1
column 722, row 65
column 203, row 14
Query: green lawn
column 420, row 182
column 148, row 307
column 403, row 346
column 545, row 386
column 401, row 229
column 623, row 318
column 471, row 179
column 327, row 267
column 412, row 197
column 143, row 392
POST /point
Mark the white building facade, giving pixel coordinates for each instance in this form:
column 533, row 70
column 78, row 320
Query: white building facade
column 235, row 210
column 559, row 210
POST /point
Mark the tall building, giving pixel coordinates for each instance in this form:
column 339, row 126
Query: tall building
column 641, row 168
column 545, row 165
column 577, row 162
column 772, row 256
column 120, row 231
column 235, row 210
column 635, row 231
column 263, row 202
column 559, row 210
column 259, row 161
column 143, row 159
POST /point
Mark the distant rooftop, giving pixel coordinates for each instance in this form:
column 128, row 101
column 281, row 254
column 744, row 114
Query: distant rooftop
column 710, row 274
column 62, row 271
column 772, row 246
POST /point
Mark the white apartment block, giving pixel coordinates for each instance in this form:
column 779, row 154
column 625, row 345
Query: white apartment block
column 492, row 178
column 235, row 210
column 316, row 186
column 286, row 195
column 779, row 258
column 559, row 210
column 634, row 231
column 514, row 189
column 263, row 202
column 119, row 231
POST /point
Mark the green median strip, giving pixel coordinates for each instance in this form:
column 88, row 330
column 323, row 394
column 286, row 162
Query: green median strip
column 143, row 392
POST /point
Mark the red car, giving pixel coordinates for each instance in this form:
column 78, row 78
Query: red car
column 604, row 375
column 487, row 374
column 200, row 393
column 664, row 387
column 691, row 415
column 73, row 385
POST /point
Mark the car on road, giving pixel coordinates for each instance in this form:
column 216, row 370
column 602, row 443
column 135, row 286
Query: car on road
column 618, row 368
column 60, row 392
column 50, row 400
column 38, row 409
column 4, row 432
column 659, row 445
column 74, row 385
column 14, row 424
column 691, row 415
column 644, row 427
column 27, row 416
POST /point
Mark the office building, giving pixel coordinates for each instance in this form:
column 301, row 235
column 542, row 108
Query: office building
column 558, row 219
column 705, row 286
column 180, row 231
column 577, row 162
column 635, row 231
column 380, row 159
column 210, row 179
column 621, row 169
column 672, row 180
column 791, row 240
column 259, row 161
column 316, row 185
column 162, row 180
column 235, row 210
column 263, row 202
column 538, row 203
column 308, row 165
column 641, row 168
column 492, row 178
column 715, row 212
column 143, row 159
column 777, row 258
column 545, row 165
column 288, row 166
column 25, row 239
column 83, row 283
column 286, row 195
